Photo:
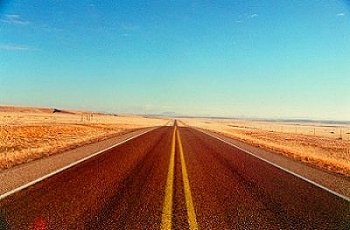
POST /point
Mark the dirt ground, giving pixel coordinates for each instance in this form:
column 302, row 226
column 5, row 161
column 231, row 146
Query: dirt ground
column 323, row 145
column 27, row 134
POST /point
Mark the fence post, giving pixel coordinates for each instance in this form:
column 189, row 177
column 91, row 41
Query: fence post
column 341, row 133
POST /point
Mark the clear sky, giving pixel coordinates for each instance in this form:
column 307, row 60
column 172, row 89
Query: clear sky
column 260, row 59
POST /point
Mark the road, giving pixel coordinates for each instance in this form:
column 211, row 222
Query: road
column 174, row 178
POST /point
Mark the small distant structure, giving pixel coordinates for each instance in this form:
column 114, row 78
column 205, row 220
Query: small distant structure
column 56, row 110
column 86, row 117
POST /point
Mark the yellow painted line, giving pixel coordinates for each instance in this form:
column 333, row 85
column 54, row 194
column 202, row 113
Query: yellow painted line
column 168, row 199
column 191, row 214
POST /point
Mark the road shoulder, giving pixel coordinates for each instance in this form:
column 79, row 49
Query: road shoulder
column 22, row 174
column 335, row 182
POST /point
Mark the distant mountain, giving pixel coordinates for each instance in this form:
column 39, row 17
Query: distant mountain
column 168, row 114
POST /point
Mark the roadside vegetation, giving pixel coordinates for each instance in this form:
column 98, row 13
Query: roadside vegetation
column 27, row 134
column 326, row 146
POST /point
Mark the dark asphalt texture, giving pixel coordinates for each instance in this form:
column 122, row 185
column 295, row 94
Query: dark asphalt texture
column 124, row 188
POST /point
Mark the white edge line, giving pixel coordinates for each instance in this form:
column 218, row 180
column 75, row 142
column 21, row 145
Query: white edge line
column 277, row 166
column 3, row 196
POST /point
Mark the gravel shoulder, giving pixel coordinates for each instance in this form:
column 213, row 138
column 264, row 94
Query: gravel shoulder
column 332, row 181
column 22, row 174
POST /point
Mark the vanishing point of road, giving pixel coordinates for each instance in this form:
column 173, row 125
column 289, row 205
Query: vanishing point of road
column 174, row 178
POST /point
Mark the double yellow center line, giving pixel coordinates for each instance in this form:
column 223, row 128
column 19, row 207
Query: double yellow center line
column 168, row 199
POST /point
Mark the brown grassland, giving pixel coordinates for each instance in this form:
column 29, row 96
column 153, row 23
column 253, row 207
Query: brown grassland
column 323, row 145
column 27, row 134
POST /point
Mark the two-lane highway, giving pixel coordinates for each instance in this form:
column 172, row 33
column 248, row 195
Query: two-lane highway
column 174, row 178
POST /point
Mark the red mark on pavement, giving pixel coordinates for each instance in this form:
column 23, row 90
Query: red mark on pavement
column 39, row 224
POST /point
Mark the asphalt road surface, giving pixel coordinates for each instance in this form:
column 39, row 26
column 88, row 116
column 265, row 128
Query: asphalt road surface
column 174, row 178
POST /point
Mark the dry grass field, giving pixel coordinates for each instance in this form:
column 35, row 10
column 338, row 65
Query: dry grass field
column 323, row 145
column 27, row 134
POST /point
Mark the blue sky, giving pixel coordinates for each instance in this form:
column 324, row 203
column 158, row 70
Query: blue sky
column 266, row 59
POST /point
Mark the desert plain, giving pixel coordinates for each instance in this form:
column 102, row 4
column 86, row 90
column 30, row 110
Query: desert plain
column 28, row 133
column 325, row 145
